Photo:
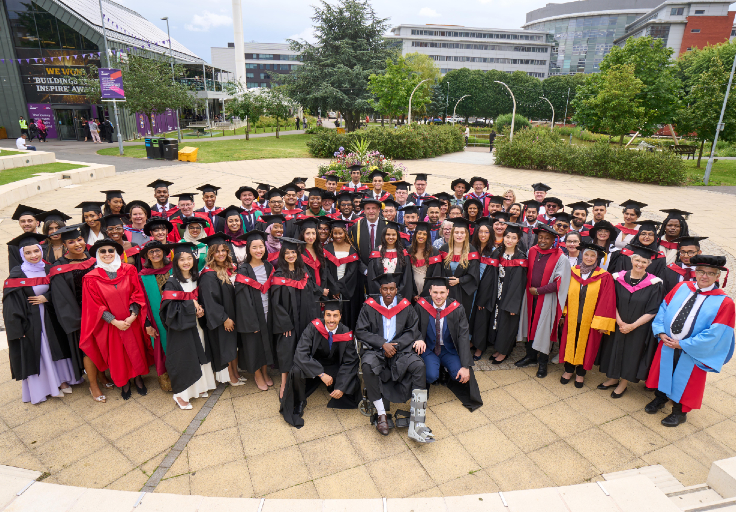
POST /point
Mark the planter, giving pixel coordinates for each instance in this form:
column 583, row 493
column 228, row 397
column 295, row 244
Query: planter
column 3, row 133
column 320, row 182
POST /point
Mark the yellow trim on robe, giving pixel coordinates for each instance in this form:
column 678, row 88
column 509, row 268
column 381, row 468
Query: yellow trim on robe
column 576, row 354
column 604, row 324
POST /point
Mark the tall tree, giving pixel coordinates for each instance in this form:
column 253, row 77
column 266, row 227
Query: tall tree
column 560, row 91
column 350, row 46
column 276, row 104
column 245, row 104
column 393, row 87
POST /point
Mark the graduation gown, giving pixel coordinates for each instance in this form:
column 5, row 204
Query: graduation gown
column 313, row 357
column 14, row 259
column 217, row 223
column 124, row 352
column 347, row 287
column 457, row 324
column 674, row 274
column 293, row 305
column 469, row 277
column 153, row 318
column 185, row 352
column 681, row 373
column 132, row 256
column 317, row 271
column 621, row 262
column 48, row 253
column 628, row 356
column 394, row 377
column 434, row 269
column 591, row 305
column 376, row 268
column 359, row 233
column 218, row 300
column 255, row 348
column 68, row 310
column 23, row 325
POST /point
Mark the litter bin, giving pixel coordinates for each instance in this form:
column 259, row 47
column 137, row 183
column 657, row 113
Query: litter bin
column 170, row 149
column 149, row 148
column 156, row 151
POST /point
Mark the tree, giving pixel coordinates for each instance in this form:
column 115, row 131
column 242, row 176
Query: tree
column 350, row 47
column 394, row 86
column 245, row 104
column 560, row 91
column 608, row 102
column 276, row 104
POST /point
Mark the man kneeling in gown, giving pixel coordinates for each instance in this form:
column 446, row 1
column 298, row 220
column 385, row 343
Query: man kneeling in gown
column 393, row 371
column 452, row 351
column 325, row 354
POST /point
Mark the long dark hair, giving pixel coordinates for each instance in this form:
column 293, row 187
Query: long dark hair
column 399, row 247
column 317, row 246
column 490, row 245
column 415, row 247
column 299, row 266
column 176, row 271
column 684, row 231
column 249, row 257
column 106, row 210
column 147, row 262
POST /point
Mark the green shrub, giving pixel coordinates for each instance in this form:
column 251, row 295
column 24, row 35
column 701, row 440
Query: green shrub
column 404, row 143
column 503, row 123
column 538, row 148
column 316, row 129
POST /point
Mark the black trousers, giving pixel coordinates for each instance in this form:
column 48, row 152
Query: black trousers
column 373, row 383
column 539, row 356
column 577, row 370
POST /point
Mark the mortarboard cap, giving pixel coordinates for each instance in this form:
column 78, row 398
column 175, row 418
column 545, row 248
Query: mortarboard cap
column 460, row 222
column 391, row 202
column 185, row 196
column 252, row 235
column 401, row 185
column 593, row 247
column 52, row 216
column 540, row 187
column 563, row 217
column 421, row 176
column 331, row 304
column 315, row 191
column 230, row 211
column 308, row 222
column 89, row 206
column 600, row 202
column 290, row 187
column 643, row 251
column 159, row 184
column 208, row 188
column 501, row 216
column 111, row 194
column 355, row 167
column 273, row 219
column 377, row 172
column 437, row 281
column 653, row 224
column 186, row 221
column 674, row 212
column 684, row 241
column 183, row 247
column 274, row 192
column 578, row 205
column 532, row 203
column 544, row 228
column 423, row 226
column 630, row 203
column 155, row 223
column 344, row 196
column 115, row 219
column 432, row 203
column 495, row 199
column 27, row 239
column 387, row 278
column 263, row 186
column 216, row 239
column 443, row 196
column 299, row 180
column 69, row 232
column 330, row 177
column 291, row 244
column 513, row 227
column 23, row 210
column 410, row 210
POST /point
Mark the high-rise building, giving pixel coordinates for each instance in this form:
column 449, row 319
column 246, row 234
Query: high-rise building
column 265, row 63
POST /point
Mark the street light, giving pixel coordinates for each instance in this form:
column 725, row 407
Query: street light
column 447, row 99
column 412, row 95
column 719, row 126
column 454, row 109
column 107, row 60
column 553, row 113
column 173, row 78
column 513, row 115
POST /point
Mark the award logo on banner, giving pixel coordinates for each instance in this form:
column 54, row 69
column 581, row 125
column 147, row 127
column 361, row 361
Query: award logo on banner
column 111, row 84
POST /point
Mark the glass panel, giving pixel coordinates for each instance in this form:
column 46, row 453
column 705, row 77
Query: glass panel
column 69, row 38
column 48, row 31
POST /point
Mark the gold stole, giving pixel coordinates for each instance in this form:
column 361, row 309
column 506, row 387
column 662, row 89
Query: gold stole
column 573, row 353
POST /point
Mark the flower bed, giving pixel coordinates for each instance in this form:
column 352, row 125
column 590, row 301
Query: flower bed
column 373, row 160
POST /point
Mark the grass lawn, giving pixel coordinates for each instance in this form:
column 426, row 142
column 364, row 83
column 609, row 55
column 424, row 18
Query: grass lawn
column 9, row 152
column 723, row 172
column 191, row 133
column 21, row 173
column 287, row 146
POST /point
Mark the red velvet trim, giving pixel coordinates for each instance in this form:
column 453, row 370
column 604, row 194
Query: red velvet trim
column 336, row 338
column 668, row 245
column 62, row 269
column 299, row 285
column 627, row 231
column 25, row 281
column 253, row 283
column 156, row 271
column 388, row 313
column 173, row 295
column 342, row 261
column 429, row 308
column 432, row 261
column 688, row 274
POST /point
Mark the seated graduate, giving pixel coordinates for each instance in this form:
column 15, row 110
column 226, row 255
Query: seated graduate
column 393, row 371
column 452, row 349
column 325, row 354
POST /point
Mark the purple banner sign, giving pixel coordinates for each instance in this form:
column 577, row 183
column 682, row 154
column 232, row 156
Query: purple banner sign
column 44, row 112
column 111, row 84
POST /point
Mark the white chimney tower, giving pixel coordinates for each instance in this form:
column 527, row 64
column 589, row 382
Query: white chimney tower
column 239, row 41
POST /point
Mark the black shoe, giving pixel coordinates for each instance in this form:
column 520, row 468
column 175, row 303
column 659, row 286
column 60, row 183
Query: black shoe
column 526, row 361
column 579, row 384
column 674, row 419
column 126, row 394
column 143, row 391
column 655, row 405
column 618, row 395
column 542, row 371
column 604, row 388
column 477, row 358
column 493, row 360
column 563, row 380
column 299, row 409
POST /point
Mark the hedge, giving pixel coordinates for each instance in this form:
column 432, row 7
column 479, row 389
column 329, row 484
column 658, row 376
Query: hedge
column 538, row 148
column 403, row 143
column 503, row 122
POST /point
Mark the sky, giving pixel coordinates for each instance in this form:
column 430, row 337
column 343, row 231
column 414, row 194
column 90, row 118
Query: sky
column 200, row 25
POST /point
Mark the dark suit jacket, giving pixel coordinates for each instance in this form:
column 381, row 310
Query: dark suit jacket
column 360, row 235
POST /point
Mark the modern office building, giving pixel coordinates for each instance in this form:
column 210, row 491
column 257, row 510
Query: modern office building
column 455, row 47
column 264, row 62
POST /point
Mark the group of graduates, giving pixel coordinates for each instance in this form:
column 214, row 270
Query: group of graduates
column 376, row 296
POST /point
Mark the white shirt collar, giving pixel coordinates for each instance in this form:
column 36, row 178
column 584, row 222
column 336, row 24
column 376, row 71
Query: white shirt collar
column 388, row 307
column 706, row 289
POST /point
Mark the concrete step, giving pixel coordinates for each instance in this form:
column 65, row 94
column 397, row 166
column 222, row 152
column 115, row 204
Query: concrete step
column 694, row 496
column 662, row 478
column 723, row 505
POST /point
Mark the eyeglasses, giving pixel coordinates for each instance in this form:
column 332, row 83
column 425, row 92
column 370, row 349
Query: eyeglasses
column 706, row 273
column 689, row 253
column 114, row 229
column 106, row 251
column 561, row 225
column 275, row 202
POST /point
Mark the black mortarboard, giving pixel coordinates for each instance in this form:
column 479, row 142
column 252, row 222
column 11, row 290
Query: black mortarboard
column 684, row 241
column 52, row 215
column 370, row 200
column 483, row 221
column 308, row 222
column 252, row 235
column 111, row 194
column 185, row 196
column 705, row 260
column 263, row 186
column 478, row 178
column 540, row 187
column 563, row 217
column 377, row 172
column 328, row 195
column 159, row 184
column 513, row 227
column 600, row 202
column 155, row 244
column 89, row 206
column 474, row 201
column 391, row 202
column 156, row 222
column 459, row 181
column 432, row 203
column 216, row 239
column 208, row 188
column 185, row 221
column 344, row 196
column 437, row 281
column 395, row 225
column 275, row 192
column 70, row 232
column 649, row 223
column 291, row 244
column 387, row 278
column 26, row 210
column 603, row 224
column 355, row 167
column 401, row 185
column 593, row 247
column 184, row 247
column 553, row 200
column 504, row 216
column 460, row 222
column 290, row 187
column 315, row 191
column 27, row 239
column 115, row 219
column 544, row 227
column 331, row 304
column 423, row 226
column 272, row 219
column 532, row 203
column 676, row 213
column 105, row 242
column 630, row 203
column 299, row 180
column 578, row 205
column 643, row 251
column 230, row 211
column 139, row 204
column 495, row 199
column 331, row 177
column 443, row 196
column 410, row 209
column 420, row 176
column 339, row 223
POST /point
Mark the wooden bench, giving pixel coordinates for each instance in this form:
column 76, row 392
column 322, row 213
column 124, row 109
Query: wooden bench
column 681, row 149
column 200, row 127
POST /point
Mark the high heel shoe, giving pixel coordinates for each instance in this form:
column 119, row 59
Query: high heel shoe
column 102, row 398
column 579, row 384
column 126, row 394
column 183, row 407
column 563, row 380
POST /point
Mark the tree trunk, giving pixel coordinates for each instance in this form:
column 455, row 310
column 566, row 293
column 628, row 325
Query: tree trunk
column 382, row 116
column 277, row 127
column 621, row 140
column 702, row 143
column 247, row 129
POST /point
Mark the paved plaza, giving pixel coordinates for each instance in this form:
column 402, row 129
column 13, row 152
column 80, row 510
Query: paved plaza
column 530, row 433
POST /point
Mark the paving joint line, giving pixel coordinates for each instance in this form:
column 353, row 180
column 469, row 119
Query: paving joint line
column 183, row 440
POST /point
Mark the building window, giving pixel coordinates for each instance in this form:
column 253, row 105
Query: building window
column 265, row 56
column 660, row 32
column 264, row 84
column 251, row 66
column 265, row 76
column 677, row 11
column 294, row 66
column 249, row 75
column 695, row 31
column 699, row 11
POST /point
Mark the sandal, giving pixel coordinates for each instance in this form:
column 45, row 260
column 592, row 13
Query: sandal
column 183, row 407
column 101, row 398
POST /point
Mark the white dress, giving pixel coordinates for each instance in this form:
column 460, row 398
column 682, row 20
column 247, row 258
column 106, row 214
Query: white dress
column 341, row 268
column 207, row 381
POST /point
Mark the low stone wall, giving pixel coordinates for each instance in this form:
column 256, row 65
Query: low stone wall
column 26, row 159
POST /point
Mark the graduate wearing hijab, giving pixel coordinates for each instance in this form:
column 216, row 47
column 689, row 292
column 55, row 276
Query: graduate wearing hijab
column 39, row 356
column 645, row 237
column 673, row 227
column 194, row 232
column 232, row 226
column 113, row 313
column 273, row 226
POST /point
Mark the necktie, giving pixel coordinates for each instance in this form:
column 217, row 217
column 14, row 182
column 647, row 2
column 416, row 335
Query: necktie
column 329, row 340
column 438, row 330
column 373, row 236
column 681, row 317
column 209, row 214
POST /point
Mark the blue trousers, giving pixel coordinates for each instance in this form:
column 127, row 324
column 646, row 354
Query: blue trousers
column 432, row 363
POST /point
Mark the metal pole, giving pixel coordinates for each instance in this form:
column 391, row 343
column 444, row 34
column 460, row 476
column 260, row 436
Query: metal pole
column 107, row 60
column 566, row 104
column 454, row 109
column 513, row 115
column 719, row 127
column 173, row 78
column 447, row 99
column 553, row 113
column 412, row 95
column 206, row 101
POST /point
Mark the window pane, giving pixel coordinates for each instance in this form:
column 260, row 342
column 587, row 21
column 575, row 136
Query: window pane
column 48, row 31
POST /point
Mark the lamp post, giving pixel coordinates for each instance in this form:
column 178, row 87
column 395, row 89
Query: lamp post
column 513, row 115
column 454, row 109
column 107, row 60
column 447, row 99
column 412, row 95
column 173, row 78
column 553, row 112
column 719, row 126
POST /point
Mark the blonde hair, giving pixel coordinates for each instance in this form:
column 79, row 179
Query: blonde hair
column 464, row 262
column 211, row 263
column 513, row 196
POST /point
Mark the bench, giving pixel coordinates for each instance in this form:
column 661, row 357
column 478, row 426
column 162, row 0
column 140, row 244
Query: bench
column 681, row 149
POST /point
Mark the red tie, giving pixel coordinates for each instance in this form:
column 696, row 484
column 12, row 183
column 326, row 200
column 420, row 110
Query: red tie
column 373, row 236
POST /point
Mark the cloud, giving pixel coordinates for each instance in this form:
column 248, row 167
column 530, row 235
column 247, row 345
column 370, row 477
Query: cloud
column 307, row 34
column 429, row 13
column 207, row 20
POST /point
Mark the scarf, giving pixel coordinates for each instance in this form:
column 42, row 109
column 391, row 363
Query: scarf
column 108, row 267
column 189, row 238
column 234, row 234
column 587, row 269
column 32, row 269
column 273, row 244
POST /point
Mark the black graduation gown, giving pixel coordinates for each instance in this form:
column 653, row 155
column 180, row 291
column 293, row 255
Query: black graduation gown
column 395, row 380
column 218, row 301
column 469, row 278
column 85, row 229
column 481, row 321
column 621, row 262
column 672, row 277
column 134, row 257
column 48, row 253
column 14, row 259
column 291, row 309
column 23, row 329
column 184, row 351
column 347, row 287
column 312, row 358
column 68, row 310
column 503, row 337
column 360, row 235
column 217, row 223
column 628, row 356
column 457, row 324
column 375, row 268
column 434, row 269
column 255, row 348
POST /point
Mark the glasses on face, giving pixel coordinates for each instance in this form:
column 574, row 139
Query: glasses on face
column 561, row 225
column 114, row 229
column 155, row 253
column 276, row 202
column 572, row 243
column 106, row 251
column 706, row 273
column 689, row 253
